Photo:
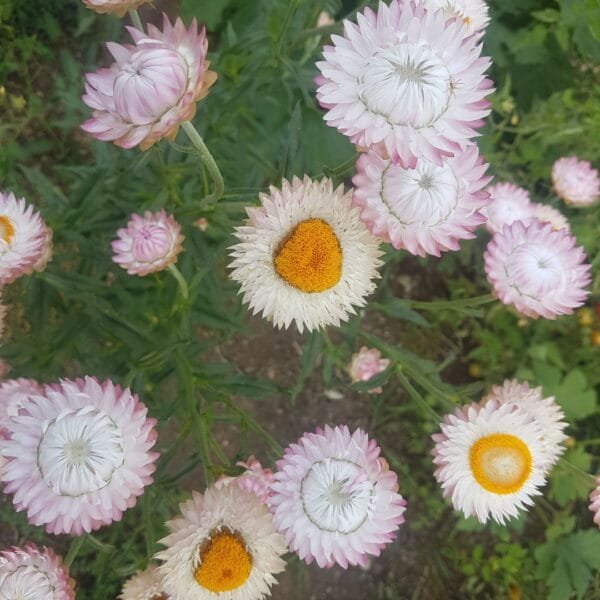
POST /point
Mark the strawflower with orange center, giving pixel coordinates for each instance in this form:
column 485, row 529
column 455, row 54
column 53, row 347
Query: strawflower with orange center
column 304, row 256
column 224, row 544
column 490, row 459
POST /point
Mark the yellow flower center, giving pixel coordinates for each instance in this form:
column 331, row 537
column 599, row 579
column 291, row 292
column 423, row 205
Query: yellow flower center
column 310, row 257
column 7, row 230
column 500, row 463
column 225, row 564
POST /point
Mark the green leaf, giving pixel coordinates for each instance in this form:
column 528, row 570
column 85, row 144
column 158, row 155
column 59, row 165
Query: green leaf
column 400, row 310
column 575, row 396
column 566, row 483
column 310, row 355
column 566, row 563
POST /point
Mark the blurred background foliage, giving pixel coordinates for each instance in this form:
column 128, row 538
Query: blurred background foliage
column 84, row 315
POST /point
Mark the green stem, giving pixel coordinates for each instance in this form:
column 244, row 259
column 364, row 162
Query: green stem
column 135, row 19
column 451, row 304
column 74, row 549
column 181, row 282
column 414, row 394
column 575, row 469
column 208, row 161
column 592, row 442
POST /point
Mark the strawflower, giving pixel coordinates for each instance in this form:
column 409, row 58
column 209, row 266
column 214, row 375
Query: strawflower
column 426, row 209
column 536, row 269
column 406, row 81
column 116, row 7
column 29, row 573
column 304, row 256
column 152, row 87
column 78, row 455
column 508, row 203
column 144, row 585
column 365, row 364
column 224, row 545
column 575, row 181
column 148, row 244
column 335, row 499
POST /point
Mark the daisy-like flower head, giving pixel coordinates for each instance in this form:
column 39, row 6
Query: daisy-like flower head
column 335, row 499
column 223, row 546
column 365, row 364
column 508, row 203
column 151, row 88
column 305, row 256
column 79, row 455
column 595, row 502
column 144, row 585
column 538, row 270
column 148, row 244
column 34, row 574
column 406, row 81
column 23, row 238
column 544, row 411
column 575, row 181
column 426, row 209
column 474, row 13
column 490, row 460
column 116, row 7
column 548, row 214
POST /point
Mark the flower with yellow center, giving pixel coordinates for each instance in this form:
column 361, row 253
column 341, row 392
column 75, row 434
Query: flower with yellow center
column 224, row 545
column 304, row 256
column 24, row 239
column 491, row 459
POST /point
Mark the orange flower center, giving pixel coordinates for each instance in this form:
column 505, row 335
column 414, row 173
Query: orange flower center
column 310, row 257
column 500, row 463
column 225, row 564
column 7, row 230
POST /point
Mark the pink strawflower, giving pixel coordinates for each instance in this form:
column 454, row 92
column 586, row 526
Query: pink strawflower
column 151, row 88
column 144, row 585
column 23, row 238
column 116, row 7
column 575, row 181
column 405, row 81
column 508, row 203
column 474, row 13
column 148, row 244
column 538, row 270
column 254, row 479
column 31, row 573
column 79, row 455
column 335, row 499
column 548, row 214
column 426, row 209
column 544, row 410
column 595, row 502
column 13, row 394
column 365, row 364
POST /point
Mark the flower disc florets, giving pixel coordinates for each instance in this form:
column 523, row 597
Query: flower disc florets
column 490, row 460
column 538, row 270
column 151, row 88
column 305, row 255
column 79, row 455
column 29, row 573
column 545, row 411
column 335, row 499
column 406, row 81
column 575, row 181
column 23, row 238
column 426, row 209
column 148, row 244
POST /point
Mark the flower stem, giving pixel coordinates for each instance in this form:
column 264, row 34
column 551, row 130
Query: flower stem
column 414, row 394
column 208, row 161
column 135, row 19
column 181, row 282
column 74, row 549
column 451, row 304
